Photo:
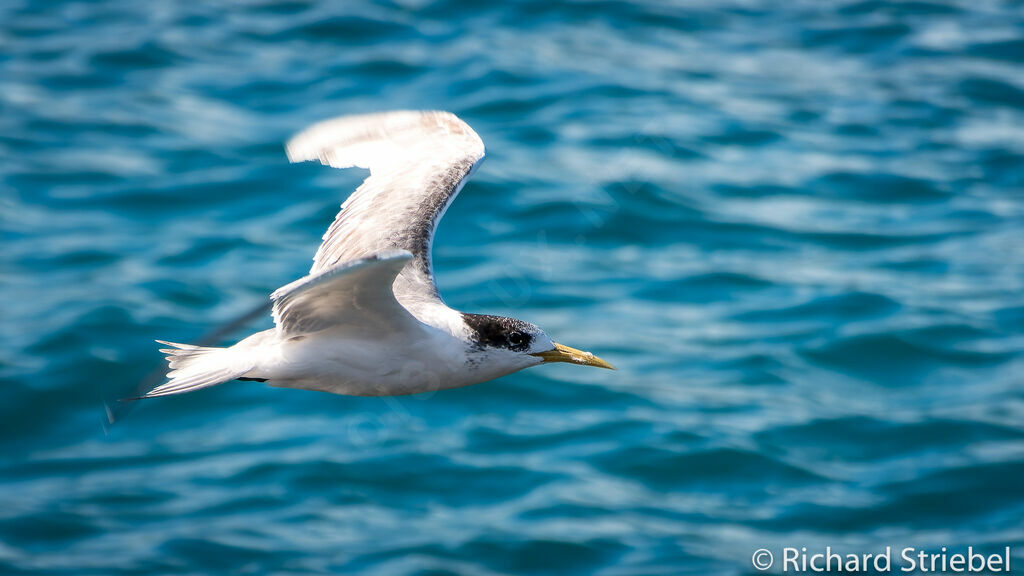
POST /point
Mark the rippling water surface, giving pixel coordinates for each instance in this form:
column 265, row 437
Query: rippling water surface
column 796, row 227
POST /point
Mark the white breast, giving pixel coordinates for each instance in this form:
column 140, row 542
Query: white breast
column 344, row 363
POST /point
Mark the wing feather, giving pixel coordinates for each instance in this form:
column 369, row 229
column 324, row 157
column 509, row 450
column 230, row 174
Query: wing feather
column 356, row 294
column 418, row 162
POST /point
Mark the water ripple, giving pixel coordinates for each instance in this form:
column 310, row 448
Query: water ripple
column 794, row 229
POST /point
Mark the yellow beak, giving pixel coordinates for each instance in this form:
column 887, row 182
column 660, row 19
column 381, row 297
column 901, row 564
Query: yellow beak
column 573, row 356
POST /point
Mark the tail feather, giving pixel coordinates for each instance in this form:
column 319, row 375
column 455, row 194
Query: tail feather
column 195, row 367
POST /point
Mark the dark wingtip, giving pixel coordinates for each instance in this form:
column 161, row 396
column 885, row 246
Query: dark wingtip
column 131, row 399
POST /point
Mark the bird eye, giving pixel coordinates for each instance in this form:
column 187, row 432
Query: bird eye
column 517, row 339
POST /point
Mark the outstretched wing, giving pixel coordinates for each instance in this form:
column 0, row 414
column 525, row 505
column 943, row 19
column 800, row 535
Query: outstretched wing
column 355, row 294
column 418, row 162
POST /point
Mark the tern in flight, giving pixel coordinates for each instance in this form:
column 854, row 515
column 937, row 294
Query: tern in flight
column 368, row 320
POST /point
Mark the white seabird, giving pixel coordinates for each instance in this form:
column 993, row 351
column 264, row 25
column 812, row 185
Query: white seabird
column 368, row 320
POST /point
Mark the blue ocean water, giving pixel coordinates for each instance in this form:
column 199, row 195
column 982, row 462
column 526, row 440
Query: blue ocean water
column 797, row 228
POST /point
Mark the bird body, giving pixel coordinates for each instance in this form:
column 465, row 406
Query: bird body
column 368, row 319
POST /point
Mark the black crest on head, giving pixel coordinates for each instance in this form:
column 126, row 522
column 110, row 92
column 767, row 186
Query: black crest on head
column 499, row 331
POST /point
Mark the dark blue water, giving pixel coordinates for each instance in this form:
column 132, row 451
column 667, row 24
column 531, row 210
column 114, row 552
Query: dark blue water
column 796, row 227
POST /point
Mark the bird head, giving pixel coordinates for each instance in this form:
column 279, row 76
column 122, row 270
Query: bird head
column 515, row 344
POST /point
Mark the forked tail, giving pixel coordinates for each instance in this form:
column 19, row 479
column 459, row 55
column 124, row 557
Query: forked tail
column 195, row 367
